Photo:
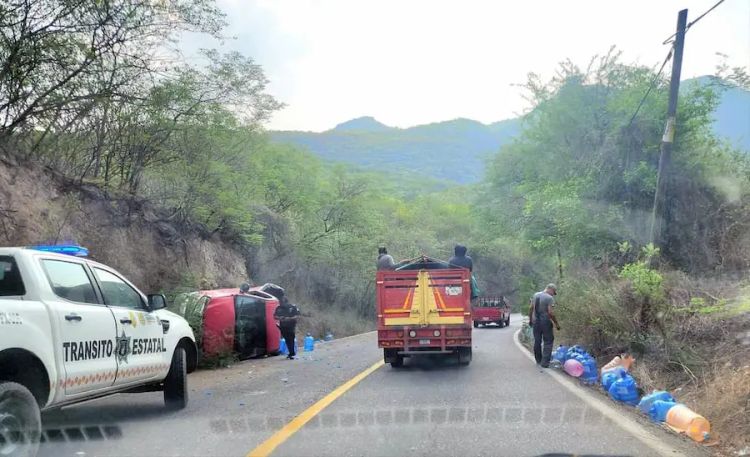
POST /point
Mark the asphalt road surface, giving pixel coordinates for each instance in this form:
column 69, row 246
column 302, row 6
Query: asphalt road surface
column 500, row 405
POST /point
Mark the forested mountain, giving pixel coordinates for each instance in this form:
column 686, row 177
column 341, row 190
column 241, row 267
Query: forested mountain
column 456, row 150
column 452, row 151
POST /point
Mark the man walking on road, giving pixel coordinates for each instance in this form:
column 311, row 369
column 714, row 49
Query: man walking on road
column 287, row 314
column 541, row 318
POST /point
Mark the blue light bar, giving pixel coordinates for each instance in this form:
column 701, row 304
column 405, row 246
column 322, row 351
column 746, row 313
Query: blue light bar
column 68, row 249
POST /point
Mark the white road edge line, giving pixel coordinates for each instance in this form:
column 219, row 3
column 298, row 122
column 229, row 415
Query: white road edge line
column 627, row 424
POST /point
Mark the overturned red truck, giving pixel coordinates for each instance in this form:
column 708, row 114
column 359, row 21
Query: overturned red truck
column 424, row 307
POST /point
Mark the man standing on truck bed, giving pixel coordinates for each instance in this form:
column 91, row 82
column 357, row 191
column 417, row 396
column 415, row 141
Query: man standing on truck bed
column 541, row 318
column 460, row 259
column 385, row 260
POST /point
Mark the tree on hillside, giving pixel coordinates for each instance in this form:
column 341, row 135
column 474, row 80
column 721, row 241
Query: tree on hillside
column 59, row 59
column 581, row 176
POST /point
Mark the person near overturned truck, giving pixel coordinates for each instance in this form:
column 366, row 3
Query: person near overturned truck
column 541, row 319
column 287, row 315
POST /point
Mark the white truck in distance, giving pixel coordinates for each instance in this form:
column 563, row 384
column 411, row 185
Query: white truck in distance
column 72, row 329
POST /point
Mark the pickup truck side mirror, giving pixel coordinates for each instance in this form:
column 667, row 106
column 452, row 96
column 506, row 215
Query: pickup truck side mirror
column 157, row 301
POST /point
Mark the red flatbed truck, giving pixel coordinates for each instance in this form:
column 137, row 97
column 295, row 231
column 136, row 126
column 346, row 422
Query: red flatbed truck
column 424, row 308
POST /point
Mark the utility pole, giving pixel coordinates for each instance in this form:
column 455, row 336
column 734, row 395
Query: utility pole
column 660, row 210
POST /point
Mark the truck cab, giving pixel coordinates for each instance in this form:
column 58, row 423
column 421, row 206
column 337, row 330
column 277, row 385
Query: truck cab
column 71, row 330
column 491, row 310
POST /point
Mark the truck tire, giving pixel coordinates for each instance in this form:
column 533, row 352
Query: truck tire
column 175, row 384
column 464, row 356
column 20, row 421
column 392, row 356
column 507, row 322
column 476, row 324
column 500, row 324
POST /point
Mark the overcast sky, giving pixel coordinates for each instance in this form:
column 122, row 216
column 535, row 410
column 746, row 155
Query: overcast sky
column 409, row 62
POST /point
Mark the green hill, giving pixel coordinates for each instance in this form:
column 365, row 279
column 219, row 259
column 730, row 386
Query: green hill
column 454, row 151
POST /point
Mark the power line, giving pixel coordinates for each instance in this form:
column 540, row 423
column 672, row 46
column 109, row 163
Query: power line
column 669, row 40
column 651, row 86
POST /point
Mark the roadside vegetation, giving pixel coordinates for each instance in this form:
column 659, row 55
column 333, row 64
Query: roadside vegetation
column 569, row 200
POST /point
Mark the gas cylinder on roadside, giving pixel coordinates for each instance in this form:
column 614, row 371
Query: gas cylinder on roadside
column 609, row 377
column 625, row 390
column 590, row 371
column 626, row 361
column 659, row 410
column 645, row 404
column 573, row 350
column 573, row 367
column 560, row 354
column 282, row 347
column 683, row 419
column 309, row 343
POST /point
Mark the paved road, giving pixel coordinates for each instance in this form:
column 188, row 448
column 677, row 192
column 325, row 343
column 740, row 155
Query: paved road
column 500, row 405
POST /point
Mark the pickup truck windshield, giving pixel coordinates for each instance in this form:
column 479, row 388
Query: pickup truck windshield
column 11, row 283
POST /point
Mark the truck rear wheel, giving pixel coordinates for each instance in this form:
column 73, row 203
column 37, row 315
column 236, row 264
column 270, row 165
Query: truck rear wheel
column 500, row 324
column 20, row 421
column 507, row 322
column 464, row 356
column 393, row 357
column 175, row 384
column 476, row 324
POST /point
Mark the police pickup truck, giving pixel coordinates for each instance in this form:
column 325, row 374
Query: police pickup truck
column 72, row 329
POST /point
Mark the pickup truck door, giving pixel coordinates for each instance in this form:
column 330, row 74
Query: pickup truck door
column 140, row 352
column 87, row 328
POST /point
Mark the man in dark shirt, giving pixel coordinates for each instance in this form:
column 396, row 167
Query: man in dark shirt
column 541, row 318
column 287, row 314
column 460, row 259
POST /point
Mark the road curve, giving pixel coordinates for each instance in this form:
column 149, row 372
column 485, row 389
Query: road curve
column 501, row 404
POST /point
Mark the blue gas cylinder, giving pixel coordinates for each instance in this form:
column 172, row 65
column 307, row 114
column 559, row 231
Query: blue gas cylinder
column 659, row 409
column 309, row 343
column 625, row 390
column 645, row 404
column 573, row 350
column 559, row 353
column 282, row 347
column 609, row 377
column 590, row 370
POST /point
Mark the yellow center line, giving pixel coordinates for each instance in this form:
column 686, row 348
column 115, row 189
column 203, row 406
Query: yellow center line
column 269, row 445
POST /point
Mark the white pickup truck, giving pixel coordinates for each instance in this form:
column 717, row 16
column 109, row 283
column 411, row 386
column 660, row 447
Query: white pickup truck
column 72, row 329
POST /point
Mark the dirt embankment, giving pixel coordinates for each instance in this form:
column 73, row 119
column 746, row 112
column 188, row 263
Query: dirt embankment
column 142, row 242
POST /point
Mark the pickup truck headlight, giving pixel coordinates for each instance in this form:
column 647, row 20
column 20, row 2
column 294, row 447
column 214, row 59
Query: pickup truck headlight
column 436, row 333
column 412, row 333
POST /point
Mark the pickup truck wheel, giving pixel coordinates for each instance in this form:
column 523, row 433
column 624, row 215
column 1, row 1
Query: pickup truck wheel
column 20, row 422
column 397, row 362
column 507, row 322
column 500, row 323
column 476, row 324
column 175, row 384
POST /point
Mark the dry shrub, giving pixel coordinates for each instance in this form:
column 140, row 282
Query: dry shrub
column 594, row 313
column 724, row 399
column 339, row 322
